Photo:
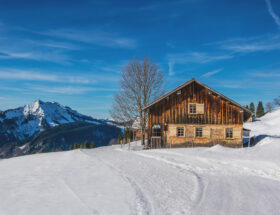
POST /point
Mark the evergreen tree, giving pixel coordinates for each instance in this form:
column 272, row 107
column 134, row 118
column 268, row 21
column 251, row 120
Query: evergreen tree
column 130, row 135
column 252, row 108
column 276, row 101
column 76, row 146
column 127, row 135
column 92, row 145
column 53, row 150
column 70, row 147
column 260, row 110
column 120, row 138
column 86, row 145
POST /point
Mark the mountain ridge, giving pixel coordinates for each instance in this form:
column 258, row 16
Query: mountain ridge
column 20, row 125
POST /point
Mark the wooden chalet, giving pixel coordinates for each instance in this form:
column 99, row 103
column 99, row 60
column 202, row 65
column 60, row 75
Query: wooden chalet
column 193, row 114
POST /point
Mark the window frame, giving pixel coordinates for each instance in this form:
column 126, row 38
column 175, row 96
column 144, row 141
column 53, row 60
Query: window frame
column 191, row 109
column 231, row 133
column 180, row 131
column 156, row 131
column 196, row 132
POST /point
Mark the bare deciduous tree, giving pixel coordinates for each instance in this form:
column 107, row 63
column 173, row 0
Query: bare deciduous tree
column 141, row 82
column 276, row 101
column 269, row 106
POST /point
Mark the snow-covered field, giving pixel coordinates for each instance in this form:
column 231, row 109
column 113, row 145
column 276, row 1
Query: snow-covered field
column 113, row 180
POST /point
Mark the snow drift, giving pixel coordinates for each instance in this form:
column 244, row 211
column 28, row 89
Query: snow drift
column 268, row 125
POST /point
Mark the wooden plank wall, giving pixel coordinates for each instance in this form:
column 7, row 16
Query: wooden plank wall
column 175, row 108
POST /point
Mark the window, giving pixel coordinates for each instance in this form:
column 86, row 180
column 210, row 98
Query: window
column 180, row 132
column 229, row 133
column 196, row 108
column 198, row 132
column 192, row 108
column 156, row 131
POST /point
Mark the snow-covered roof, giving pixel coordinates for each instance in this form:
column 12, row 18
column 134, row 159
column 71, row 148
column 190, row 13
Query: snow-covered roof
column 136, row 124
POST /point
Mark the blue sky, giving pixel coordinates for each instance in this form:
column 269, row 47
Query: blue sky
column 73, row 52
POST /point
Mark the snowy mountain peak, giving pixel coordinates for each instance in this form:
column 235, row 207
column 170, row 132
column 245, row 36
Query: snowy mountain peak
column 24, row 122
column 33, row 108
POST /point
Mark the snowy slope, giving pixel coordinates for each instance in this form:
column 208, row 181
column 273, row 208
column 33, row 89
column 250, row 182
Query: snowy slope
column 269, row 124
column 111, row 180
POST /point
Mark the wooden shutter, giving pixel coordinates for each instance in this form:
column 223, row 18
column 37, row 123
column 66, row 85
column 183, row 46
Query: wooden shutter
column 206, row 132
column 172, row 131
column 236, row 133
column 200, row 108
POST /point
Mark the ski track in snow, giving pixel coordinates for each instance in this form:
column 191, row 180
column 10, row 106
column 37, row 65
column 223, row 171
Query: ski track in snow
column 76, row 196
column 111, row 180
column 199, row 187
column 142, row 203
column 217, row 165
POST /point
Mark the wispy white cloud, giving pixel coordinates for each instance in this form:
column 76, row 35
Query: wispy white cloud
column 96, row 37
column 170, row 45
column 58, row 77
column 70, row 89
column 13, row 46
column 272, row 13
column 246, row 48
column 197, row 57
column 50, row 56
column 267, row 73
column 53, row 44
column 161, row 3
column 194, row 57
column 170, row 69
column 15, row 74
column 233, row 85
column 209, row 74
column 252, row 47
column 7, row 88
column 250, row 44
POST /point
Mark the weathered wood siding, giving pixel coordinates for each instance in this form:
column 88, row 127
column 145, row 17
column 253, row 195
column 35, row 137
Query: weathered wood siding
column 174, row 110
